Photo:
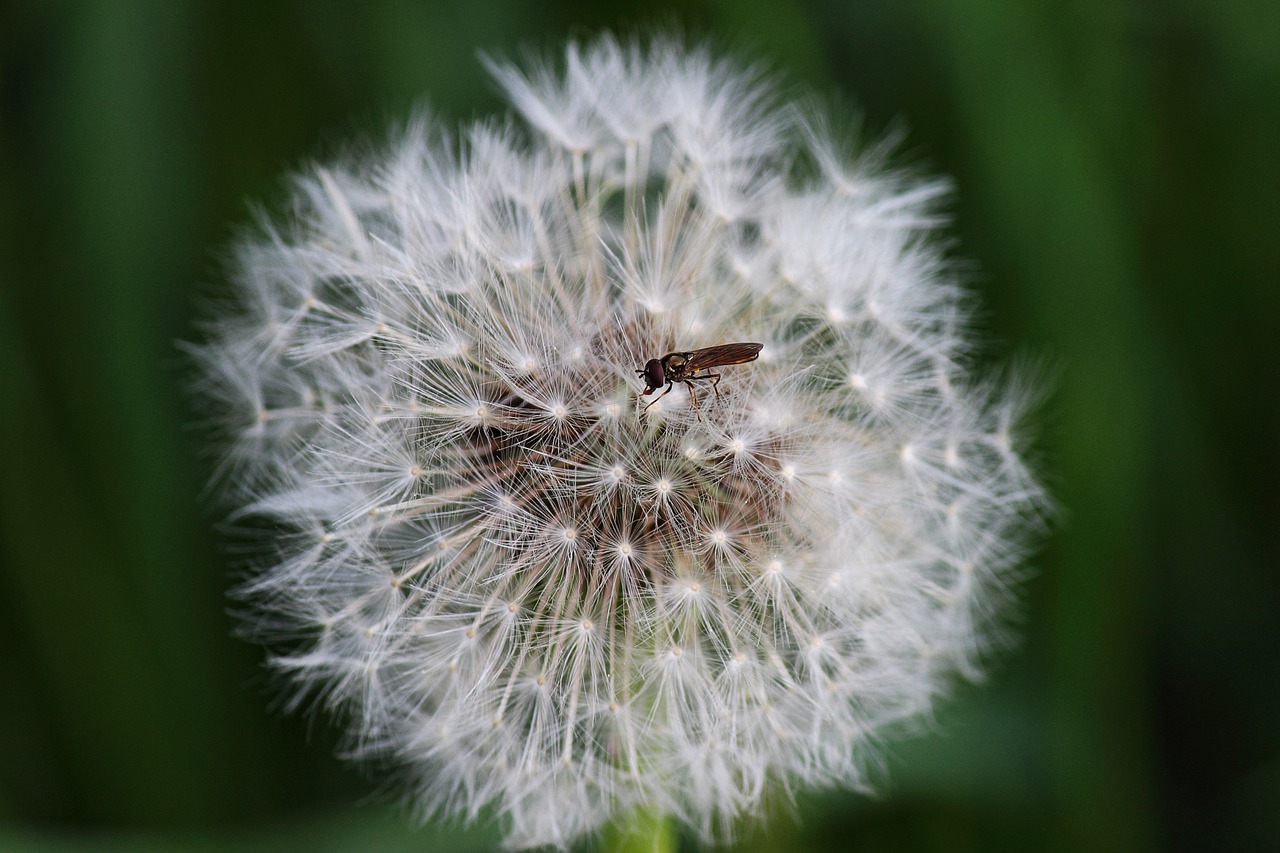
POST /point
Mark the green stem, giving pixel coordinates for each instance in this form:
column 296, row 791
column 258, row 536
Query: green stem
column 641, row 832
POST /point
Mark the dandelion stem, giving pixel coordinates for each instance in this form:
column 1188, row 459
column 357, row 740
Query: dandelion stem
column 642, row 832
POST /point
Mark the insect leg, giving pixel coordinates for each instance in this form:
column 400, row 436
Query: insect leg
column 670, row 385
column 715, row 380
column 693, row 397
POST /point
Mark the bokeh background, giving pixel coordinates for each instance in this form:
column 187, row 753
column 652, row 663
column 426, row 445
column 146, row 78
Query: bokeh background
column 1118, row 173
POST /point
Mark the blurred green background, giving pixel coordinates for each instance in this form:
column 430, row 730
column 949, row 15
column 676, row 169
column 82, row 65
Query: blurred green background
column 1118, row 174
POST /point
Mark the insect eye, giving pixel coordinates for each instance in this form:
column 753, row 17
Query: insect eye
column 654, row 374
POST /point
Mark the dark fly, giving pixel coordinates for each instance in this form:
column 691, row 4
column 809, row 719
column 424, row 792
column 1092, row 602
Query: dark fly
column 692, row 367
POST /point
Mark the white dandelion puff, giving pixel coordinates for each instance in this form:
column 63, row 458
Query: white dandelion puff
column 514, row 583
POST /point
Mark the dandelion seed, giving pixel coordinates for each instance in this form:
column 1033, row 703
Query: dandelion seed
column 539, row 603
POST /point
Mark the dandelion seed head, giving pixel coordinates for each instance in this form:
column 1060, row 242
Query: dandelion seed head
column 532, row 594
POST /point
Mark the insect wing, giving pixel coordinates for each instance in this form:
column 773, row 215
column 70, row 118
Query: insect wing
column 721, row 355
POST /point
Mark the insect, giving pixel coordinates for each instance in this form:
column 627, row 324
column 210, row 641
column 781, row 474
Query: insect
column 689, row 367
